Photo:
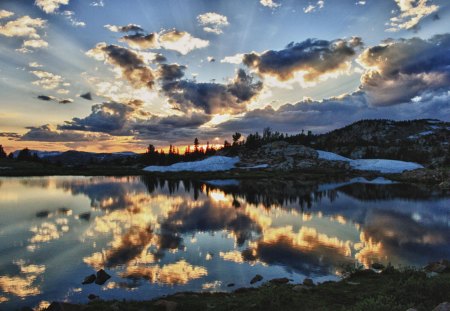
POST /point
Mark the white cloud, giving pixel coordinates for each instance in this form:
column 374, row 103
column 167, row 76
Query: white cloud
column 70, row 15
column 313, row 7
column 35, row 43
column 47, row 80
column 411, row 12
column 50, row 6
column 213, row 22
column 35, row 65
column 269, row 3
column 235, row 59
column 99, row 3
column 181, row 41
column 24, row 26
column 5, row 14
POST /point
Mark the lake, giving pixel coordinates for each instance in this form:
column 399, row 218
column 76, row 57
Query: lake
column 157, row 237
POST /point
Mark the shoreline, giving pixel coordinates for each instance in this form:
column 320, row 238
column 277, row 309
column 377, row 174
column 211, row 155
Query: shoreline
column 439, row 176
column 379, row 288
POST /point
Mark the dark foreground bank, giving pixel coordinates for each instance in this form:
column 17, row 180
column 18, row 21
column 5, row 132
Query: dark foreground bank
column 385, row 289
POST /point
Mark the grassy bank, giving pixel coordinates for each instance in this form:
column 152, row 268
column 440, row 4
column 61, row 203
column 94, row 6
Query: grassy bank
column 394, row 290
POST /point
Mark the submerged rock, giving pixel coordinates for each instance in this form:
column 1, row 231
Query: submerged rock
column 42, row 214
column 377, row 266
column 102, row 277
column 85, row 216
column 279, row 281
column 64, row 306
column 89, row 279
column 256, row 279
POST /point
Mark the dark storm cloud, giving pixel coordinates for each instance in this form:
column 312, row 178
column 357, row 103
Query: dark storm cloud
column 124, row 119
column 87, row 96
column 65, row 101
column 108, row 118
column 45, row 97
column 10, row 135
column 141, row 41
column 48, row 134
column 131, row 63
column 212, row 98
column 314, row 57
column 332, row 113
column 51, row 98
column 402, row 69
column 170, row 72
column 126, row 28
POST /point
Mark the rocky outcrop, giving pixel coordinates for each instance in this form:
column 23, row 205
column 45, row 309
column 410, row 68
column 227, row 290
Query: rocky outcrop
column 281, row 155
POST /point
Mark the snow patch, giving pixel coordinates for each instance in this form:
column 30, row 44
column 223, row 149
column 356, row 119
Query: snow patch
column 223, row 182
column 381, row 165
column 211, row 164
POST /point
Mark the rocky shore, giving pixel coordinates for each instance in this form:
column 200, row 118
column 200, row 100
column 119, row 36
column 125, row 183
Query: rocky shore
column 377, row 288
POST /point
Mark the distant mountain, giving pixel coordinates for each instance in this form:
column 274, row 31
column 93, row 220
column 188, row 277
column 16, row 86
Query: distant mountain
column 423, row 141
column 79, row 157
column 40, row 154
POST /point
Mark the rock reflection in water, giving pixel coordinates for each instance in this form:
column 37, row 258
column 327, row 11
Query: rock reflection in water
column 168, row 235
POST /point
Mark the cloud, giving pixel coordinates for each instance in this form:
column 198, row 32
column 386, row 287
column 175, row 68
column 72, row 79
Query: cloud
column 24, row 26
column 5, row 14
column 109, row 117
column 50, row 6
column 212, row 98
column 411, row 13
column 51, row 98
column 87, row 96
column 130, row 63
column 181, row 42
column 47, row 80
column 213, row 22
column 129, row 119
column 70, row 16
column 98, row 3
column 336, row 112
column 235, row 59
column 313, row 7
column 141, row 41
column 50, row 134
column 270, row 4
column 126, row 28
column 45, row 97
column 34, row 65
column 35, row 43
column 400, row 70
column 308, row 61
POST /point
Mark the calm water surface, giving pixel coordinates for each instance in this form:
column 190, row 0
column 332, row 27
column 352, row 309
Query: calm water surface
column 157, row 237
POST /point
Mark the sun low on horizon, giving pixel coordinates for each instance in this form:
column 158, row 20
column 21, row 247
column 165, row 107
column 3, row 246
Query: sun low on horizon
column 111, row 75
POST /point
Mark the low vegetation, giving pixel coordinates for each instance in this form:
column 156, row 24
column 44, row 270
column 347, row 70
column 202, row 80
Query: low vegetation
column 364, row 290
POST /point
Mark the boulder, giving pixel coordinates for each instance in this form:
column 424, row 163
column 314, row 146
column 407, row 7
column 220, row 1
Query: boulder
column 64, row 306
column 377, row 266
column 167, row 304
column 256, row 278
column 279, row 281
column 445, row 306
column 102, row 277
column 89, row 279
column 308, row 282
column 85, row 216
column 93, row 297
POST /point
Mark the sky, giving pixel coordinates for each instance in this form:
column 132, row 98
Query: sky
column 112, row 75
